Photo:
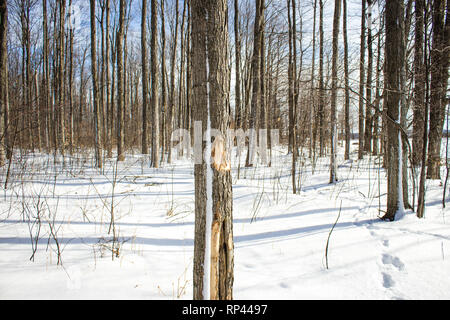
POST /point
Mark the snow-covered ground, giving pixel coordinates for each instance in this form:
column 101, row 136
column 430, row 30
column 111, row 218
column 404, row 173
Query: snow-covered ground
column 280, row 238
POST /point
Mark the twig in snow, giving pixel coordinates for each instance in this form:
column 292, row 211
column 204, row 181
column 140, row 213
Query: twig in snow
column 329, row 235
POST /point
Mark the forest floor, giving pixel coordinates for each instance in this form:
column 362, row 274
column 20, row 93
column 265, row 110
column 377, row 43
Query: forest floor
column 280, row 238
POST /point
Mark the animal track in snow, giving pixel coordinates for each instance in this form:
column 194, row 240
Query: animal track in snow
column 392, row 260
column 388, row 282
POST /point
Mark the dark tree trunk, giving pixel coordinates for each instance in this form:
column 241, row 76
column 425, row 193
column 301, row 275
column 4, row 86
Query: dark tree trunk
column 334, row 80
column 321, row 110
column 419, row 84
column 97, row 132
column 3, row 79
column 369, row 119
column 362, row 55
column 209, row 53
column 120, row 83
column 170, row 117
column 237, row 42
column 394, row 55
column 155, row 84
column 256, row 78
column 439, row 79
column 347, row 88
column 144, row 149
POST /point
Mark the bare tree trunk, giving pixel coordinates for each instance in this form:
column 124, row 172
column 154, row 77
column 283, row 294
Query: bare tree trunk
column 102, row 71
column 200, row 100
column 312, row 93
column 347, row 88
column 394, row 54
column 155, row 84
column 419, row 84
column 237, row 48
column 144, row 149
column 209, row 55
column 334, row 80
column 181, row 79
column 3, row 79
column 61, row 86
column 109, row 91
column 98, row 132
column 46, row 75
column 438, row 86
column 71, row 79
column 424, row 66
column 361, row 81
column 378, row 97
column 256, row 78
column 368, row 126
column 120, row 83
column 321, row 85
column 172, row 84
column 222, row 245
column 163, row 80
column 37, row 111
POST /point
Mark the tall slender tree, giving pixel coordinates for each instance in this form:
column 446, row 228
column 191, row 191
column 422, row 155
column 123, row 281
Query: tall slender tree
column 346, row 81
column 256, row 79
column 237, row 50
column 144, row 78
column 419, row 83
column 394, row 55
column 3, row 78
column 173, row 54
column 321, row 111
column 155, row 83
column 312, row 89
column 438, row 86
column 334, row 83
column 210, row 102
column 120, row 83
column 368, row 99
column 97, row 132
column 362, row 55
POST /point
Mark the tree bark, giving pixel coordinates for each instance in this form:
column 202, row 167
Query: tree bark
column 219, row 75
column 394, row 54
column 237, row 49
column 209, row 55
column 3, row 79
column 120, row 83
column 155, row 84
column 362, row 55
column 97, row 132
column 144, row 149
column 321, row 110
column 334, row 80
column 256, row 78
column 419, row 84
column 347, row 88
column 200, row 98
column 369, row 120
column 172, row 84
column 439, row 79
column 163, row 80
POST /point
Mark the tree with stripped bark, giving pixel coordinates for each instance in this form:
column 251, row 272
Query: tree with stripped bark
column 213, row 244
